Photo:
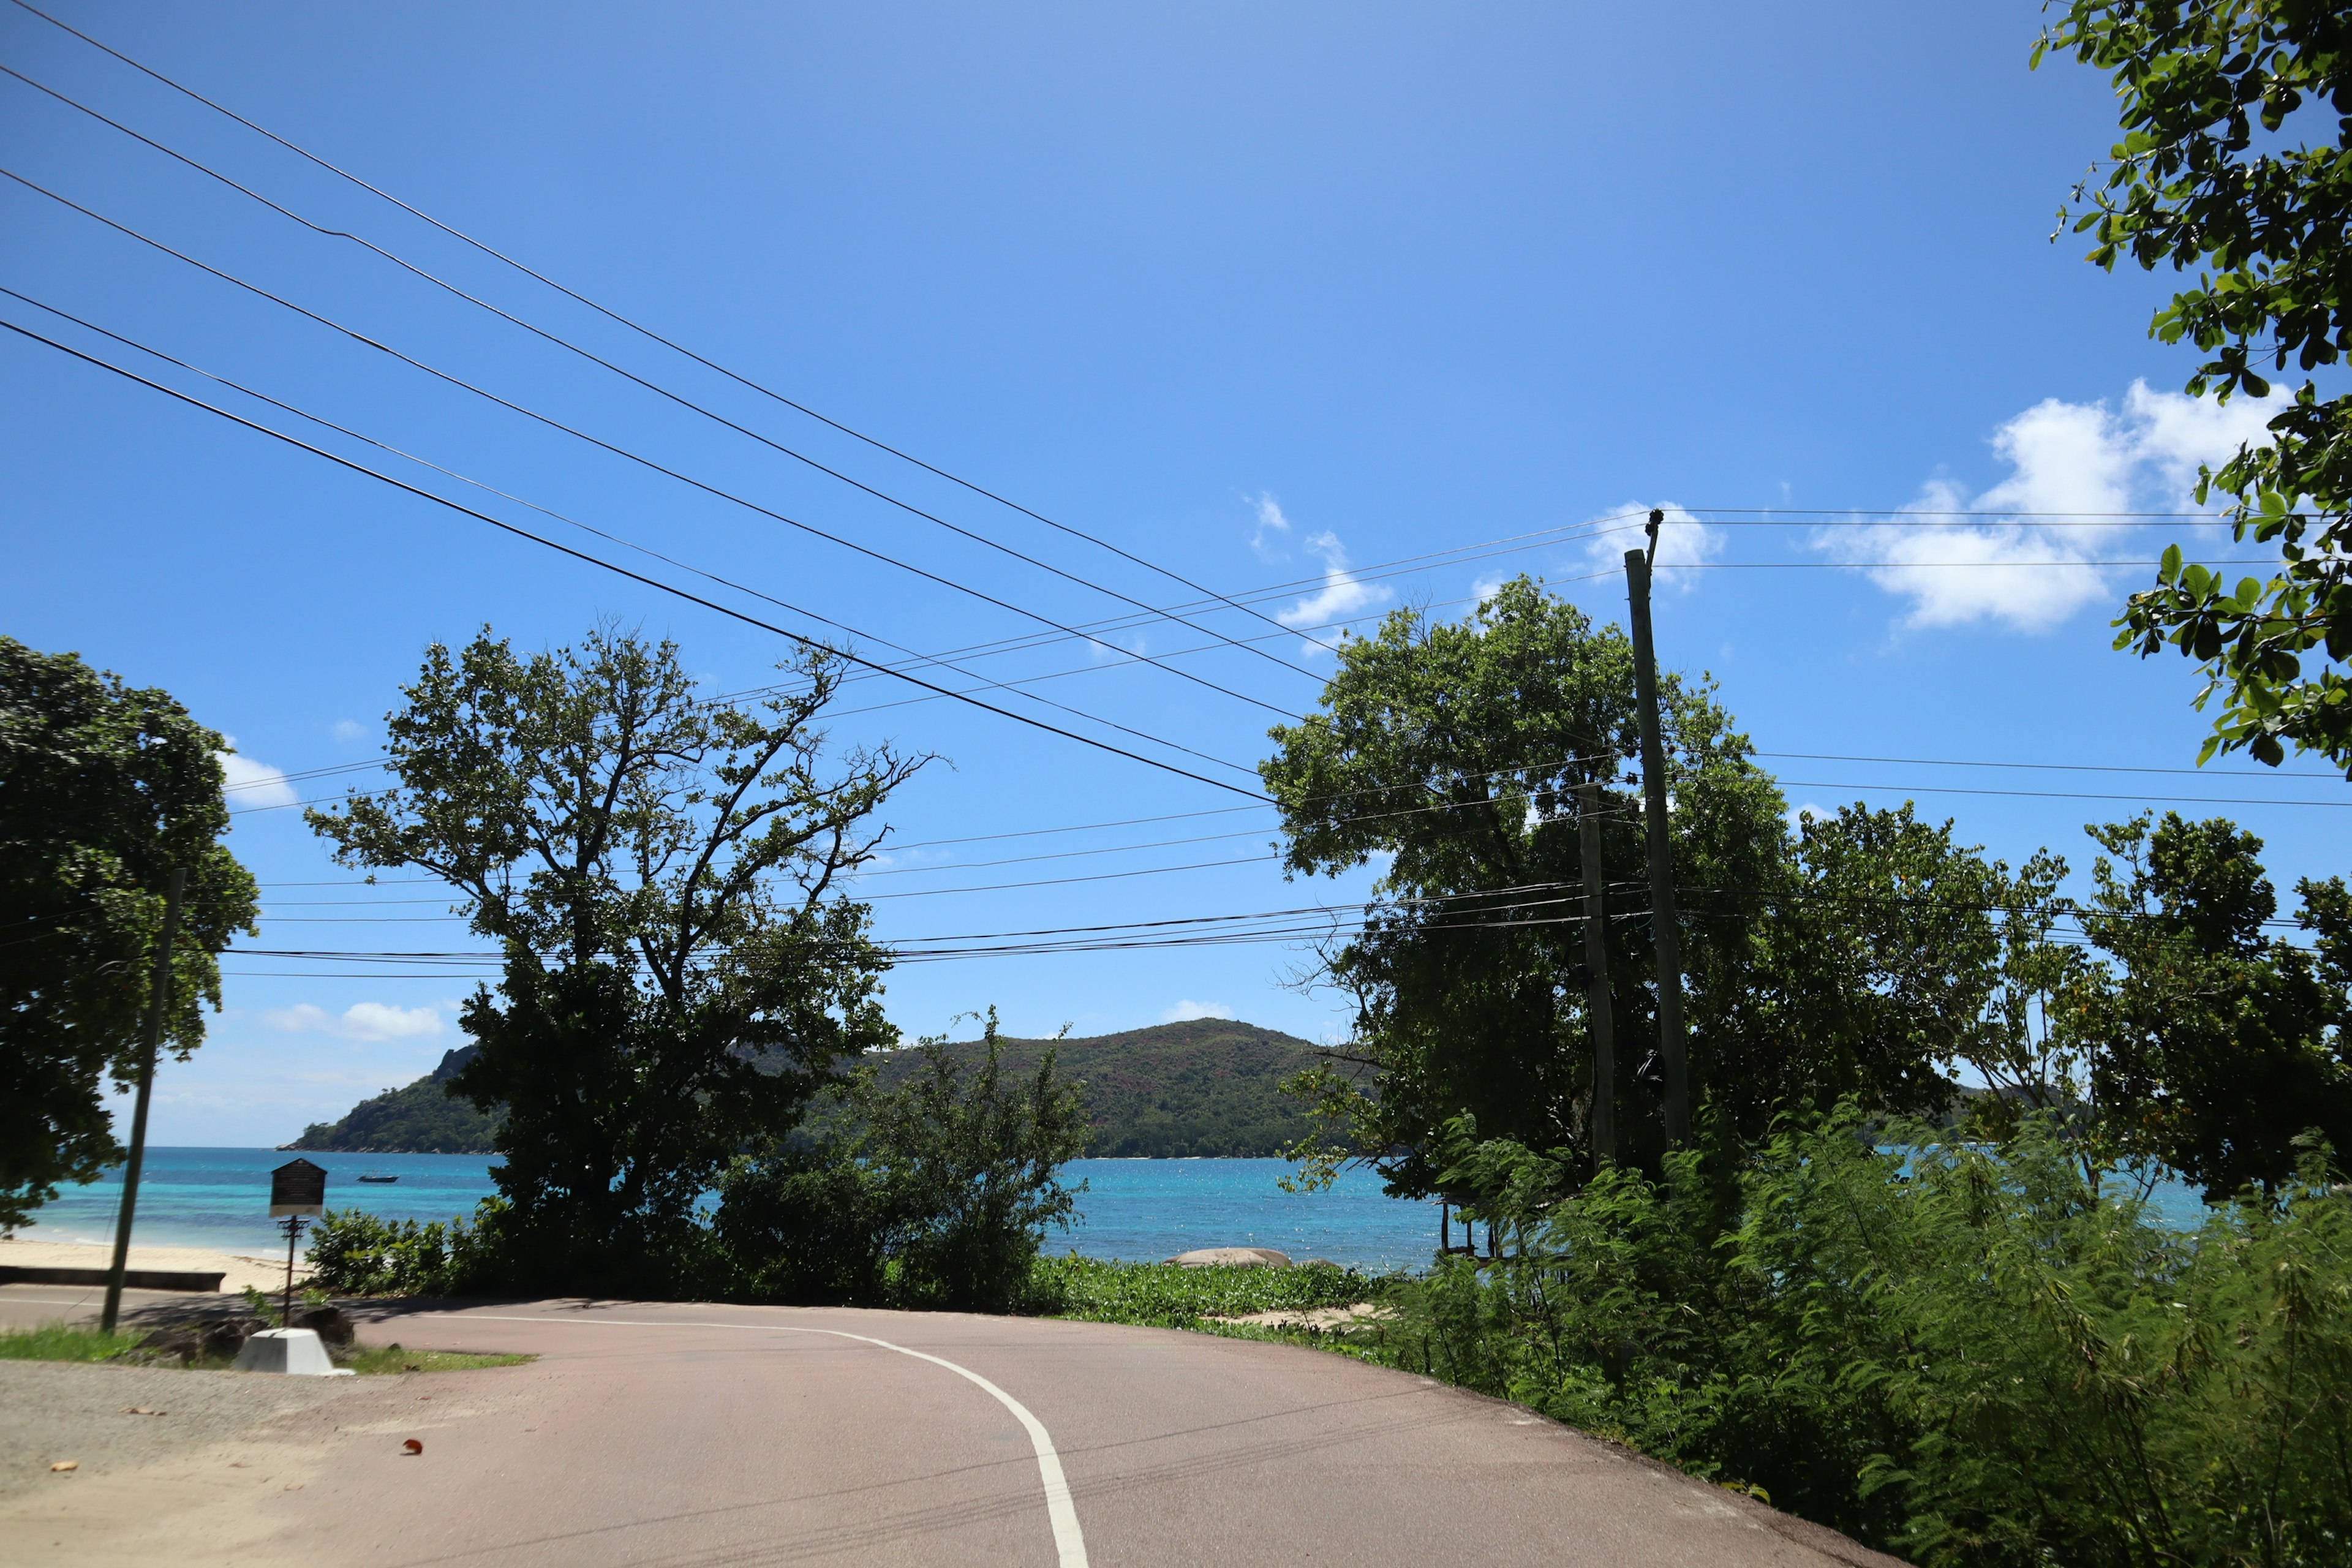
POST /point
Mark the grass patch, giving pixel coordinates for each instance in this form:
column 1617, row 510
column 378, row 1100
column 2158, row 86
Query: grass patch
column 62, row 1342
column 1172, row 1296
column 391, row 1358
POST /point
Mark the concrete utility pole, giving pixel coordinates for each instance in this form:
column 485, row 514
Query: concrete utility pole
column 1672, row 1052
column 154, row 1043
column 1597, row 1008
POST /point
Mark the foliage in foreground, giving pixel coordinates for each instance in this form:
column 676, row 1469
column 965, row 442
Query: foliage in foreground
column 1173, row 1296
column 2236, row 117
column 104, row 789
column 1963, row 1356
column 62, row 1342
column 934, row 1193
column 663, row 874
column 81, row 1342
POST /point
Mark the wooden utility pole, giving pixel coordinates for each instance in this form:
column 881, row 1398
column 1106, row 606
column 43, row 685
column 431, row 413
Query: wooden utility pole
column 1597, row 1009
column 160, row 1003
column 1672, row 1052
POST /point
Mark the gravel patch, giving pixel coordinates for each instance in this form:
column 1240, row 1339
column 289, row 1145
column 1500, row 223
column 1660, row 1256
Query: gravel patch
column 51, row 1411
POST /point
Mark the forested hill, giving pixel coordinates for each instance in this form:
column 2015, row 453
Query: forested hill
column 1203, row 1087
column 418, row 1120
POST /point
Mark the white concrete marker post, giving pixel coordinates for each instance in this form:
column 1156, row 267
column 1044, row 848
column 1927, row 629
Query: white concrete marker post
column 300, row 1352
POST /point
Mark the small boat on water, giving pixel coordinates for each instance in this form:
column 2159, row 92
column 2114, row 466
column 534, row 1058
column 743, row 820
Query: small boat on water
column 376, row 1176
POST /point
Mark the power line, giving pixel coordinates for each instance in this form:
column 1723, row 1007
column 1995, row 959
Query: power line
column 2057, row 793
column 601, row 310
column 917, row 660
column 619, row 451
column 619, row 570
column 640, row 381
column 2058, row 767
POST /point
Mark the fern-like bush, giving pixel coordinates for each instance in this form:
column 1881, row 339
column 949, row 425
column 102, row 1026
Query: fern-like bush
column 1965, row 1355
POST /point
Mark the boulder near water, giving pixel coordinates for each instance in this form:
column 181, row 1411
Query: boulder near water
column 1233, row 1258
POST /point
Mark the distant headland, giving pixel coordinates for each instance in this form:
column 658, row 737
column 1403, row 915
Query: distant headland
column 1205, row 1088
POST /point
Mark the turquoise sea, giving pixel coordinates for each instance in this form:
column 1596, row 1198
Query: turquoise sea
column 1134, row 1209
column 1131, row 1209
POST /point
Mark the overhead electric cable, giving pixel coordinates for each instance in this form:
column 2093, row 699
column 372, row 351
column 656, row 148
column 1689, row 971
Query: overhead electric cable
column 611, row 314
column 624, row 452
column 2055, row 794
column 917, row 660
column 657, row 389
column 615, row 568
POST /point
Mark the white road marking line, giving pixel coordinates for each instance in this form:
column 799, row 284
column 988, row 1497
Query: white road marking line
column 1069, row 1544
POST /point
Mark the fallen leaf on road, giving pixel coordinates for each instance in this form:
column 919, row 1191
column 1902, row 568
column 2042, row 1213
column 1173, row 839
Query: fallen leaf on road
column 142, row 1410
column 414, row 1447
column 65, row 1464
column 294, row 1488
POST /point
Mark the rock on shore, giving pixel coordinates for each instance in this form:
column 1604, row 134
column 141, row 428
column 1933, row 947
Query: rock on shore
column 1233, row 1258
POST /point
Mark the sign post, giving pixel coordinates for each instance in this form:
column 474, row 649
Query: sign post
column 297, row 1189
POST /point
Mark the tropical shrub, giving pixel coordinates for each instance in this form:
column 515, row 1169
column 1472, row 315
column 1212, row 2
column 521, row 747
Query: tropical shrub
column 1962, row 1355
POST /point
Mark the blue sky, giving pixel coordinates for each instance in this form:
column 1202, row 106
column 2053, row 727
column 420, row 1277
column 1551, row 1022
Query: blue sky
column 1267, row 295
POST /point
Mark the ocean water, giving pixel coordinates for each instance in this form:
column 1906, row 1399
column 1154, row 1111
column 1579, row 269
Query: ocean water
column 1140, row 1210
column 1131, row 1209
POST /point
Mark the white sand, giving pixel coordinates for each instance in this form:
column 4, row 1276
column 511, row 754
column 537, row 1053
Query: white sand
column 237, row 1270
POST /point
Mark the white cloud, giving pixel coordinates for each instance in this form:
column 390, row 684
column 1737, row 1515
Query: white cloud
column 251, row 784
column 1796, row 814
column 360, row 1021
column 1272, row 531
column 1683, row 541
column 348, row 730
column 1341, row 596
column 1188, row 1009
column 2079, row 459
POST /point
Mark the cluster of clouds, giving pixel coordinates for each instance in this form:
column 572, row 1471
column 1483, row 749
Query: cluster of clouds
column 1955, row 557
column 371, row 1021
column 250, row 783
column 1343, row 595
column 2082, row 459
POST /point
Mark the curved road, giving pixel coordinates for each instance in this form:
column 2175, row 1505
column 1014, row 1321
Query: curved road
column 713, row 1436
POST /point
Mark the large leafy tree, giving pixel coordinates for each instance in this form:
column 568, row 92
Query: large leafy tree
column 2237, row 159
column 104, row 789
column 663, row 872
column 1890, row 954
column 2214, row 1042
column 1451, row 752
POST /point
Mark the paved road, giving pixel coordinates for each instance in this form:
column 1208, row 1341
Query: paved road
column 711, row 1437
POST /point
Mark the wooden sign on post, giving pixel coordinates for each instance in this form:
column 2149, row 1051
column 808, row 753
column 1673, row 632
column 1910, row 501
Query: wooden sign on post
column 298, row 1188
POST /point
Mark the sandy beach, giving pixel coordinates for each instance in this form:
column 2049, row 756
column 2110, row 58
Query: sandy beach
column 238, row 1270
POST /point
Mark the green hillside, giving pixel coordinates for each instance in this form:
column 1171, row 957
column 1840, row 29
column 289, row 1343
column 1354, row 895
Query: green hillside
column 418, row 1120
column 1204, row 1087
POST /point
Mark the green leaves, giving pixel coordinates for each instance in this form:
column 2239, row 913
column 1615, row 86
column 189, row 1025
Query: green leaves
column 106, row 789
column 2190, row 186
column 663, row 872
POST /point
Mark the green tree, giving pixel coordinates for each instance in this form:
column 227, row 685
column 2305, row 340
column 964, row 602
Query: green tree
column 2237, row 159
column 1453, row 751
column 1891, row 954
column 935, row 1193
column 104, row 789
column 2213, row 1042
column 682, row 972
